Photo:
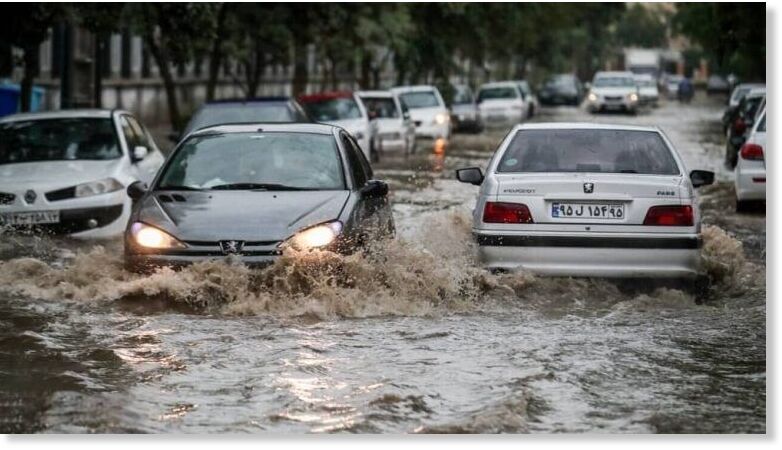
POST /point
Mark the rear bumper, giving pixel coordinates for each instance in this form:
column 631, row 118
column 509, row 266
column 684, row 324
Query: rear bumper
column 749, row 186
column 609, row 257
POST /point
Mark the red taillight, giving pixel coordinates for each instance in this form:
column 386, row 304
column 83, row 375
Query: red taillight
column 495, row 212
column 739, row 126
column 752, row 152
column 671, row 216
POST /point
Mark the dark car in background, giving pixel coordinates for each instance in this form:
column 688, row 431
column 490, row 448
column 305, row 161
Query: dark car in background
column 741, row 123
column 464, row 110
column 561, row 89
column 253, row 110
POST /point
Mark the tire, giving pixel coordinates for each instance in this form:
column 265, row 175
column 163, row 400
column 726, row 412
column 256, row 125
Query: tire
column 742, row 206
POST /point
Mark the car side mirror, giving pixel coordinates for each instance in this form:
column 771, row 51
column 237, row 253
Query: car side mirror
column 471, row 175
column 701, row 178
column 136, row 190
column 139, row 152
column 374, row 189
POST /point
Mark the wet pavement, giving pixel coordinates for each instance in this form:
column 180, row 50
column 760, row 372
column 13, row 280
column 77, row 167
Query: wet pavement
column 411, row 337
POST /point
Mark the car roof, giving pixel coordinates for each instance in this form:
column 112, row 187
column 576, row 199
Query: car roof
column 494, row 84
column 750, row 85
column 321, row 96
column 316, row 128
column 63, row 114
column 582, row 126
column 378, row 93
column 270, row 99
column 416, row 88
column 756, row 92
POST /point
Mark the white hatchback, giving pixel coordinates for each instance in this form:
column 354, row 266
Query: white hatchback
column 395, row 128
column 66, row 171
column 431, row 117
column 588, row 200
column 502, row 103
column 751, row 166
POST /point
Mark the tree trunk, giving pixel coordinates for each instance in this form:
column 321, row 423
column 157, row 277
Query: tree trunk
column 255, row 72
column 216, row 54
column 300, row 73
column 97, row 90
column 366, row 70
column 30, row 72
column 164, row 65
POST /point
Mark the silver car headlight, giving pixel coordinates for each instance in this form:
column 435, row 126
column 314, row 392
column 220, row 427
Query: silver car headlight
column 592, row 97
column 97, row 187
column 151, row 237
column 633, row 97
column 315, row 237
column 441, row 118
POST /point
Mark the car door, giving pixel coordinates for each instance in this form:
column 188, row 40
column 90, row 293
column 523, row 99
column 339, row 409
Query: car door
column 407, row 124
column 369, row 214
column 137, row 136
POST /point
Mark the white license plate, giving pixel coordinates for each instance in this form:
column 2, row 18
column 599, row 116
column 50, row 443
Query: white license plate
column 587, row 211
column 30, row 218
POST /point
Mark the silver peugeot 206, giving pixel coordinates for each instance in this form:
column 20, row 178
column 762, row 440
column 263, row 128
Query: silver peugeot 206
column 249, row 190
column 589, row 200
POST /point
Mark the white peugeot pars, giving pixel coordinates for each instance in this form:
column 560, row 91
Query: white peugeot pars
column 66, row 171
column 589, row 200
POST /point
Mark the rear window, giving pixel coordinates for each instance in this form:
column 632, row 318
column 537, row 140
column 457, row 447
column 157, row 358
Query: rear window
column 497, row 93
column 422, row 99
column 333, row 109
column 382, row 107
column 594, row 151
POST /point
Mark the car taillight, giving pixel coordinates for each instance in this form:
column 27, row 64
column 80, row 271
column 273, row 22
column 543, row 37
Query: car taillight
column 499, row 212
column 752, row 152
column 672, row 216
column 739, row 126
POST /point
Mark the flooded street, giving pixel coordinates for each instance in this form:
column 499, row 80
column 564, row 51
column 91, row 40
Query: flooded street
column 410, row 337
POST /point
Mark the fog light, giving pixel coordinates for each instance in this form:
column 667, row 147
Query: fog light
column 92, row 223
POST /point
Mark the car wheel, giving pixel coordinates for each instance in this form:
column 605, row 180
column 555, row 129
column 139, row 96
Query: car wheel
column 742, row 206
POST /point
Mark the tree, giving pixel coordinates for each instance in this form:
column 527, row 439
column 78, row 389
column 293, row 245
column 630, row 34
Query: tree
column 641, row 26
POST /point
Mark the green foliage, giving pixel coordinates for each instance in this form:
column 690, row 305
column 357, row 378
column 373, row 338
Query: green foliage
column 641, row 26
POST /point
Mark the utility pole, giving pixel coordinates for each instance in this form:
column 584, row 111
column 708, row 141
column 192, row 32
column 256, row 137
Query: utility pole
column 66, row 65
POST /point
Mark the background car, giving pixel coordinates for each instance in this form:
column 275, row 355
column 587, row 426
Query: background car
column 66, row 171
column 344, row 109
column 561, row 89
column 647, row 90
column 717, row 84
column 395, row 128
column 750, row 181
column 501, row 103
column 733, row 102
column 254, row 110
column 427, row 109
column 464, row 110
column 530, row 99
column 251, row 193
column 613, row 91
column 742, row 123
column 588, row 200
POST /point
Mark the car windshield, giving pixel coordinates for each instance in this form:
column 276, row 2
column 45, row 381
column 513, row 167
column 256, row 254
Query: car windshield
column 561, row 81
column 614, row 82
column 65, row 139
column 383, row 107
column 261, row 160
column 251, row 112
column 739, row 93
column 751, row 106
column 596, row 151
column 333, row 109
column 462, row 96
column 493, row 93
column 645, row 82
column 421, row 99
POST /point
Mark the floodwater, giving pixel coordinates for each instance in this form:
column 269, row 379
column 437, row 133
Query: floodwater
column 410, row 337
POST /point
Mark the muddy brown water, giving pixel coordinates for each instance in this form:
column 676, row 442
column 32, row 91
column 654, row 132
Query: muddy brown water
column 411, row 337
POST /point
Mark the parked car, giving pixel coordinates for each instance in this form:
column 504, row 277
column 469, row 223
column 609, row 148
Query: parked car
column 588, row 200
column 530, row 99
column 561, row 89
column 744, row 120
column 344, row 109
column 254, row 110
column 395, row 128
column 751, row 166
column 717, row 84
column 733, row 102
column 251, row 191
column 671, row 84
column 613, row 91
column 66, row 172
column 501, row 104
column 464, row 110
column 427, row 109
column 647, row 90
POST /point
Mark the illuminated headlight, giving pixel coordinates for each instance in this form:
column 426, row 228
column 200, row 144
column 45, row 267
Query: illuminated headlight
column 151, row 237
column 441, row 118
column 592, row 97
column 316, row 237
column 633, row 97
column 97, row 187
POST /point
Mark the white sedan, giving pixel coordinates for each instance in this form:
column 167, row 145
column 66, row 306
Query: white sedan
column 751, row 166
column 395, row 128
column 66, row 171
column 431, row 117
column 588, row 200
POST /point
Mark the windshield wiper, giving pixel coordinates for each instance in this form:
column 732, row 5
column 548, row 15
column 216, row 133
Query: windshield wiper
column 257, row 187
column 179, row 188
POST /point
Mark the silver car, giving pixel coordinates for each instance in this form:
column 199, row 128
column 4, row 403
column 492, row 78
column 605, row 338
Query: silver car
column 588, row 200
column 253, row 190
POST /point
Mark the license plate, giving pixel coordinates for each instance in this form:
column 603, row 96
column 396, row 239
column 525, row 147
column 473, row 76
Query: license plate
column 587, row 211
column 30, row 218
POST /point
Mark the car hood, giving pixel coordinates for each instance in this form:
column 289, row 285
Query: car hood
column 614, row 90
column 57, row 174
column 240, row 215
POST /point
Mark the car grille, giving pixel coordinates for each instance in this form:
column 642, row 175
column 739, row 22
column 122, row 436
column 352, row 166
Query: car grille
column 614, row 99
column 61, row 194
column 212, row 248
column 6, row 199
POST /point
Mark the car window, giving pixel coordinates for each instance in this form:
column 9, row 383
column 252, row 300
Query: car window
column 357, row 167
column 420, row 99
column 331, row 109
column 130, row 134
column 142, row 138
column 600, row 151
column 251, row 112
column 524, row 86
column 297, row 160
column 762, row 124
column 58, row 139
column 492, row 93
column 463, row 96
column 614, row 82
column 383, row 107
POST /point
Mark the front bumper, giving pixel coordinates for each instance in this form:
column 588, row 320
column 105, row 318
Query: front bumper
column 612, row 105
column 433, row 131
column 253, row 254
column 603, row 256
column 82, row 222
